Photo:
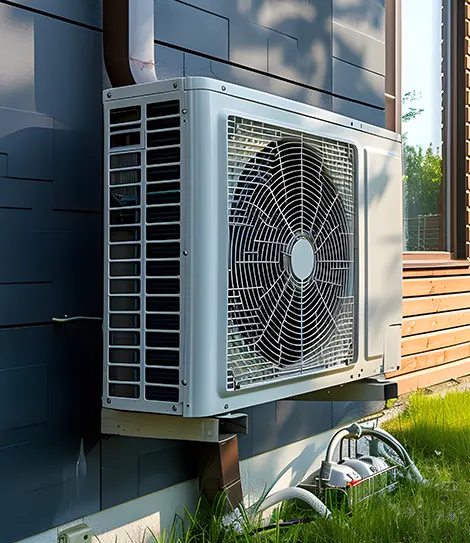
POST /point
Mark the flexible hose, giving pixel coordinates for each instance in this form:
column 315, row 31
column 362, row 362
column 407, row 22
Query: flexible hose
column 397, row 447
column 356, row 431
column 294, row 493
column 353, row 431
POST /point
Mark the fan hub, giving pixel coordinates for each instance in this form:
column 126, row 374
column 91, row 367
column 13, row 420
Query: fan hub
column 302, row 259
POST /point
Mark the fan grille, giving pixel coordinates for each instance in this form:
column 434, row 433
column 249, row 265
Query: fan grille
column 291, row 251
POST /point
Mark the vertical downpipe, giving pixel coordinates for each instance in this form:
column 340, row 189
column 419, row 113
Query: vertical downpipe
column 129, row 41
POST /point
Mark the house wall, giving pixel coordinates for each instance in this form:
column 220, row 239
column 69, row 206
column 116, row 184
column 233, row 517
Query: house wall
column 436, row 292
column 54, row 464
column 467, row 117
column 436, row 325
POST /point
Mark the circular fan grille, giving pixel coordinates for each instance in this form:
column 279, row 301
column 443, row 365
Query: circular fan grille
column 290, row 261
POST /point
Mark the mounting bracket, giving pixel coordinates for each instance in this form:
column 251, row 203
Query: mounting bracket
column 367, row 390
column 157, row 426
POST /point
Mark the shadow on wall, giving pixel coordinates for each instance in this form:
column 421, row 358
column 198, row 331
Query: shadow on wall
column 50, row 205
column 285, row 47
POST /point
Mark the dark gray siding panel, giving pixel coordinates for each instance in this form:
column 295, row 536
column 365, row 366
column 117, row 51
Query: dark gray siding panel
column 358, row 48
column 169, row 62
column 191, row 28
column 135, row 467
column 49, row 430
column 31, row 384
column 268, row 84
column 69, row 253
column 273, row 36
column 357, row 84
column 249, row 45
column 299, row 39
column 50, row 199
column 170, row 465
column 367, row 16
column 54, row 503
column 16, row 346
column 17, row 309
column 85, row 12
column 346, row 412
column 360, row 112
column 16, row 59
column 27, row 142
column 283, row 55
column 278, row 424
column 75, row 104
column 224, row 8
column 26, row 257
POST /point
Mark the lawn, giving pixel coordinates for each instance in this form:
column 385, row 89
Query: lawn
column 436, row 433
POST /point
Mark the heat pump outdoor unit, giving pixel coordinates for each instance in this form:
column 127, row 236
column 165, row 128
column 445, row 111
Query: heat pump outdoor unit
column 253, row 248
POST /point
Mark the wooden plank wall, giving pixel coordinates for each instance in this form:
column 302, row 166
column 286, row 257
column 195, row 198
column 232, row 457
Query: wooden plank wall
column 436, row 326
column 467, row 115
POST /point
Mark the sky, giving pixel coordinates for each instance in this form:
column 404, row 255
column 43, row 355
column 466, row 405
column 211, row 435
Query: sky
column 421, row 70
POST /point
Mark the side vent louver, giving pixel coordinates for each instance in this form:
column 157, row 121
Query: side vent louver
column 144, row 252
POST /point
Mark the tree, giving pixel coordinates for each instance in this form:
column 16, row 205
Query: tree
column 423, row 176
column 423, row 171
column 422, row 188
column 412, row 112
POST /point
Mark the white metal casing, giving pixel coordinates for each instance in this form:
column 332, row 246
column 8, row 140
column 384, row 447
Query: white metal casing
column 205, row 105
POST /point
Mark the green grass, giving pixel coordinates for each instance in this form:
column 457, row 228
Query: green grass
column 436, row 433
column 391, row 403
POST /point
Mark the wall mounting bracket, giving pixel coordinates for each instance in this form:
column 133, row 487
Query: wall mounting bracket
column 367, row 390
column 157, row 426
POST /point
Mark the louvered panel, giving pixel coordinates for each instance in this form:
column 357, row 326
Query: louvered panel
column 124, row 252
column 163, row 251
column 144, row 252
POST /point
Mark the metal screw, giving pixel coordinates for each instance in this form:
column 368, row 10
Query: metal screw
column 175, row 408
column 109, row 95
column 175, row 85
column 185, row 253
column 184, row 382
column 226, row 406
column 224, row 88
column 108, row 400
column 185, row 111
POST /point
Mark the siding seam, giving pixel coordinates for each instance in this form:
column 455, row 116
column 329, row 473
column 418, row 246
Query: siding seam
column 50, row 15
column 273, row 76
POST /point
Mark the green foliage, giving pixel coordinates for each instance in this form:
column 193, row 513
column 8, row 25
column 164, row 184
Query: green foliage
column 423, row 178
column 423, row 170
column 412, row 112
